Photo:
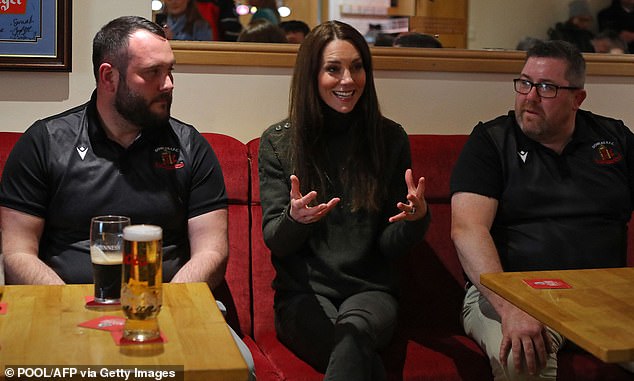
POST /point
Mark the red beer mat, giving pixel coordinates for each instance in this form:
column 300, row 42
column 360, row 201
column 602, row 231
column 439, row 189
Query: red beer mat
column 90, row 302
column 105, row 323
column 547, row 283
column 3, row 308
column 117, row 336
column 115, row 324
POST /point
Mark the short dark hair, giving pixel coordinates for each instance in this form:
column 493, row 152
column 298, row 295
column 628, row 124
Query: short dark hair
column 111, row 42
column 416, row 40
column 295, row 26
column 576, row 72
column 613, row 38
column 261, row 30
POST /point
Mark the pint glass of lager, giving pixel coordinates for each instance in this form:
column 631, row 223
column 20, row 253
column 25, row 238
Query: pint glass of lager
column 106, row 253
column 141, row 285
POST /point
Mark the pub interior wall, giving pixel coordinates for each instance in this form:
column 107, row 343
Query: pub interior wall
column 501, row 24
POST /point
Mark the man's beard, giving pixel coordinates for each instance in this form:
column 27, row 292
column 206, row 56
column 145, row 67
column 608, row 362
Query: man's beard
column 136, row 109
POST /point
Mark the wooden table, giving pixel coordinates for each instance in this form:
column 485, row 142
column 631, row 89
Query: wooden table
column 597, row 313
column 41, row 328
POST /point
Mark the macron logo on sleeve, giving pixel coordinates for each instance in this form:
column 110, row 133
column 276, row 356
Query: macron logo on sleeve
column 523, row 155
column 82, row 151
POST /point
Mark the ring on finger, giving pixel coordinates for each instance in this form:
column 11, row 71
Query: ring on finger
column 413, row 210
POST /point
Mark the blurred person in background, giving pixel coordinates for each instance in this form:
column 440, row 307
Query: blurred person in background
column 384, row 39
column 267, row 9
column 222, row 17
column 619, row 17
column 262, row 31
column 183, row 21
column 416, row 40
column 295, row 30
column 577, row 29
column 527, row 43
column 609, row 41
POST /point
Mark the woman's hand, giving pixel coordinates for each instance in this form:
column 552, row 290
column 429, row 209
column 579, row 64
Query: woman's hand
column 300, row 210
column 416, row 208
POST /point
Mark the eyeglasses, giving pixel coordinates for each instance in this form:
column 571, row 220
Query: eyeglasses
column 544, row 90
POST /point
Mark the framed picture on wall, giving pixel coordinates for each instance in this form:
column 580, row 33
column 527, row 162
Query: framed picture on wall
column 35, row 35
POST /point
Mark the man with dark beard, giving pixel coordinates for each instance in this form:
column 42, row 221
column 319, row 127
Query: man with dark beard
column 120, row 153
column 546, row 187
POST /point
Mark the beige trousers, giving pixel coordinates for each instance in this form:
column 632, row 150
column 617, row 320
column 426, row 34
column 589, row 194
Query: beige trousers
column 482, row 323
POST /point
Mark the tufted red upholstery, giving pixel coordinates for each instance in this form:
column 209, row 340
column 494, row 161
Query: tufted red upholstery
column 7, row 141
column 235, row 293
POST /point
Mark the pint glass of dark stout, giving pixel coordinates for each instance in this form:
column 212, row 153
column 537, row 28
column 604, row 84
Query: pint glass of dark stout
column 106, row 253
column 141, row 285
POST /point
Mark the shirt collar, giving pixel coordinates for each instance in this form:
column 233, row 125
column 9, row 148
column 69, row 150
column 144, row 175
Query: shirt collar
column 583, row 133
column 97, row 132
column 95, row 128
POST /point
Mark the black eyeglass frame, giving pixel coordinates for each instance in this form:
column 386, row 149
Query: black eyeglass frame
column 540, row 86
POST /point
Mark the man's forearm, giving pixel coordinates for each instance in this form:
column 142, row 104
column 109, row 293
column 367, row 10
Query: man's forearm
column 22, row 268
column 478, row 255
column 207, row 268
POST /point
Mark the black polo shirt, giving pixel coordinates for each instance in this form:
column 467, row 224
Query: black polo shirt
column 555, row 211
column 65, row 170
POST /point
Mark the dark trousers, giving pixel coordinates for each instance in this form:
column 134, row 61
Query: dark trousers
column 338, row 338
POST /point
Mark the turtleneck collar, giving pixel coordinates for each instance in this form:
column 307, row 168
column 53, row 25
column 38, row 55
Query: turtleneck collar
column 336, row 122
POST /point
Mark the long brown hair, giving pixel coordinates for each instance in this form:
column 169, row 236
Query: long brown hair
column 364, row 166
column 192, row 15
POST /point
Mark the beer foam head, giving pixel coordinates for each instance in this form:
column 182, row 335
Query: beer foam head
column 98, row 256
column 142, row 233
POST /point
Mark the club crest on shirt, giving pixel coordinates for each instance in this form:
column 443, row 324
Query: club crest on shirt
column 167, row 158
column 606, row 152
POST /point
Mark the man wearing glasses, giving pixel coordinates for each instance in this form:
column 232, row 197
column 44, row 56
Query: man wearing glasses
column 548, row 186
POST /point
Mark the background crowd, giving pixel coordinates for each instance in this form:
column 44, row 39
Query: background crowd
column 614, row 28
column 611, row 30
column 217, row 20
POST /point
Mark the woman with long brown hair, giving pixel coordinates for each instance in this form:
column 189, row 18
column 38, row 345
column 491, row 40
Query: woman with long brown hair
column 339, row 203
column 184, row 21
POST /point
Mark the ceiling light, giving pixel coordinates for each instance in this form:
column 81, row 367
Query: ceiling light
column 284, row 11
column 157, row 5
column 242, row 9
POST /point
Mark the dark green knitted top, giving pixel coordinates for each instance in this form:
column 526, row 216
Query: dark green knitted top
column 346, row 252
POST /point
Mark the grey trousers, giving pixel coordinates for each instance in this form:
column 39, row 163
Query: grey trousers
column 338, row 338
column 483, row 324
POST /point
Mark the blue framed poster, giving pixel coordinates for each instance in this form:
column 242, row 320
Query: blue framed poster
column 35, row 35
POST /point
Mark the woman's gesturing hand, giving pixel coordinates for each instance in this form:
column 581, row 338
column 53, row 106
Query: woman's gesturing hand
column 416, row 208
column 300, row 210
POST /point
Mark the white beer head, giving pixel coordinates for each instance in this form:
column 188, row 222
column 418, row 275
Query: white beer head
column 100, row 257
column 142, row 233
